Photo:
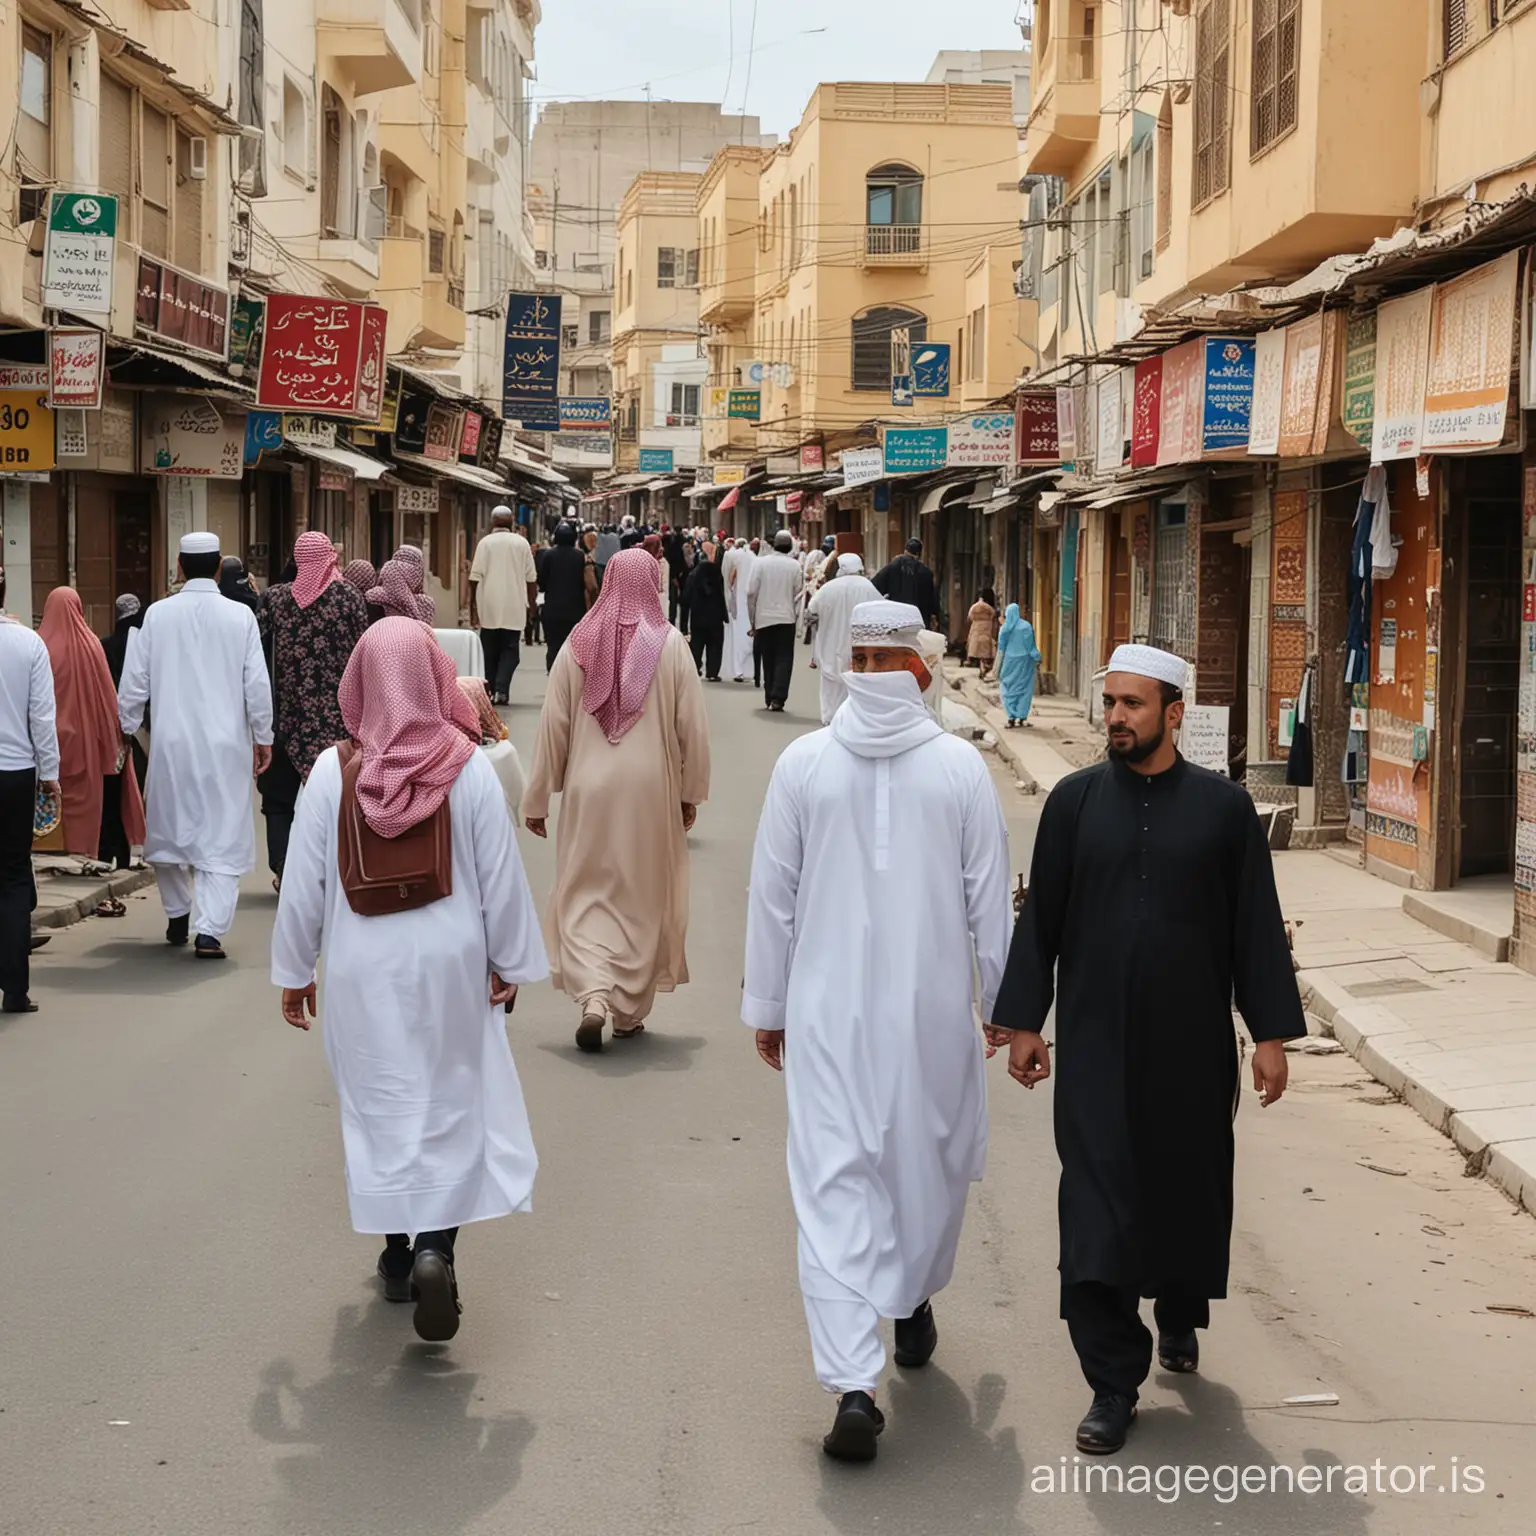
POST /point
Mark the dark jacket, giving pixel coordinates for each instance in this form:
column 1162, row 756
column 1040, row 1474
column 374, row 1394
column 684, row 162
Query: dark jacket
column 907, row 580
column 705, row 595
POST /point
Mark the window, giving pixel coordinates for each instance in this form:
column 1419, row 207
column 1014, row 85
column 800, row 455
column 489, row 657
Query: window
column 870, row 364
column 1213, row 100
column 599, row 323
column 685, row 406
column 189, row 205
column 570, row 336
column 295, row 130
column 253, row 152
column 1455, row 23
column 976, row 345
column 893, row 194
column 437, row 247
column 1086, row 55
column 117, row 168
column 691, row 269
column 1143, row 187
column 336, row 168
column 1275, row 56
column 155, row 182
column 34, row 122
column 668, row 260
column 1111, row 229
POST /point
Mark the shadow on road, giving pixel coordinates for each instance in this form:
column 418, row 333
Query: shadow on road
column 157, row 969
column 389, row 1440
column 650, row 1052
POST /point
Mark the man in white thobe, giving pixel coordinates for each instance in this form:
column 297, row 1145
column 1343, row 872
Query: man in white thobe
column 831, row 619
column 198, row 660
column 879, row 878
column 737, row 570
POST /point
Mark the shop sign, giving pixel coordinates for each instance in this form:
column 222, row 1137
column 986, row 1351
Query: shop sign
column 188, row 435
column 586, row 413
column 411, row 419
column 176, row 306
column 813, row 459
column 582, row 450
column 490, row 442
column 655, row 461
column 78, row 251
column 982, row 440
column 312, row 356
column 76, row 369
column 332, row 477
column 781, row 375
column 469, row 440
column 1228, row 393
column 26, row 422
column 69, row 433
column 782, row 465
column 1179, row 432
column 416, row 498
column 1111, row 444
column 1359, row 385
column 731, row 474
column 306, row 431
column 930, row 370
column 745, row 404
column 1471, row 347
column 1205, row 736
column 1146, row 412
column 444, row 428
column 531, row 362
column 1268, row 391
column 111, row 434
column 1066, row 424
column 914, row 450
column 263, row 433
column 1402, row 360
column 372, row 370
column 1306, row 398
column 1036, row 442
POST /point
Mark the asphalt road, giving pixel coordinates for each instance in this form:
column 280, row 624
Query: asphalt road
column 192, row 1342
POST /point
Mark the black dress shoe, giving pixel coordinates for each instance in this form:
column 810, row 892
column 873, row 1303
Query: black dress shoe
column 22, row 1004
column 208, row 948
column 855, row 1429
column 1179, row 1352
column 1106, row 1424
column 436, row 1293
column 916, row 1338
column 395, row 1271
column 177, row 930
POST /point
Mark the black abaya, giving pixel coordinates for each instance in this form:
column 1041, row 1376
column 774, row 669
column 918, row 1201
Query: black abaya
column 1151, row 902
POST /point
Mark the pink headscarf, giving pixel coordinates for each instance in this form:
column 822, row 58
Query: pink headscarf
column 619, row 642
column 360, row 574
column 395, row 596
column 315, row 556
column 412, row 558
column 400, row 699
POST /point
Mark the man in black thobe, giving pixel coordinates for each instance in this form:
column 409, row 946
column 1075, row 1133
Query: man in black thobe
column 907, row 580
column 1151, row 906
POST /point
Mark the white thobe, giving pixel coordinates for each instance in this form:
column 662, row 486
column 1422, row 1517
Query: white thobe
column 881, row 869
column 738, row 637
column 433, row 1124
column 198, row 661
column 832, row 646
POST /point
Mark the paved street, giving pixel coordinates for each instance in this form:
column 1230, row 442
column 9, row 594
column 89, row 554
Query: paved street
column 193, row 1342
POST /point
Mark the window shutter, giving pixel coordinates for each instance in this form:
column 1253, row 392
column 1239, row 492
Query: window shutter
column 155, row 182
column 189, row 209
column 1455, row 26
column 115, row 118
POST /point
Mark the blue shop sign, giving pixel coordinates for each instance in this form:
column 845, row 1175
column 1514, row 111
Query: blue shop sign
column 531, row 362
column 913, row 450
column 263, row 432
column 1228, row 393
column 930, row 369
column 655, row 461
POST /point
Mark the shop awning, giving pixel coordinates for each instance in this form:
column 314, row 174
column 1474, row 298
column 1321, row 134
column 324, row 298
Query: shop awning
column 357, row 464
column 537, row 471
column 706, row 490
column 936, row 495
column 732, row 497
column 663, row 485
column 465, row 474
column 142, row 365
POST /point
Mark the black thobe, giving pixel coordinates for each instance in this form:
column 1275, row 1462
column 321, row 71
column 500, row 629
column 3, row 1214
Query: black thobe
column 1152, row 900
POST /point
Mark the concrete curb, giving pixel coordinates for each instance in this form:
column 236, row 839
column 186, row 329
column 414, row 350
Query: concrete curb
column 968, row 685
column 85, row 892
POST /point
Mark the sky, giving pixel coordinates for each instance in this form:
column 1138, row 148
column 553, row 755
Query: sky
column 711, row 50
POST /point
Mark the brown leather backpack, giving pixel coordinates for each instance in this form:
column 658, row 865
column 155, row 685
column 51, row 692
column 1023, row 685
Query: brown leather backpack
column 390, row 874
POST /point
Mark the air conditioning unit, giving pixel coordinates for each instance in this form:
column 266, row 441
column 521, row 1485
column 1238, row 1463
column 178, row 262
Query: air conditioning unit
column 197, row 159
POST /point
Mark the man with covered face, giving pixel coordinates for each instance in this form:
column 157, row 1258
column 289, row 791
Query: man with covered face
column 1152, row 906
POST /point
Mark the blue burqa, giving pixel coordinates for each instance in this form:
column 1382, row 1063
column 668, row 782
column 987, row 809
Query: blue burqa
column 1018, row 657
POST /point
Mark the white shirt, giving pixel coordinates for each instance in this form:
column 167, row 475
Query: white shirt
column 773, row 591
column 502, row 572
column 28, row 736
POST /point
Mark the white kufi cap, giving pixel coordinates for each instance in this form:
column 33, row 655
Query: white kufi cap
column 204, row 543
column 850, row 565
column 1148, row 661
column 897, row 625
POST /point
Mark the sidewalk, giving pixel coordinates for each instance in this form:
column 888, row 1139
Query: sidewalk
column 64, row 895
column 1438, row 1022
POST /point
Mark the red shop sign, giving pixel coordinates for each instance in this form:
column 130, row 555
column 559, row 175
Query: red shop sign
column 1147, row 412
column 371, row 371
column 1037, row 441
column 312, row 356
column 469, row 442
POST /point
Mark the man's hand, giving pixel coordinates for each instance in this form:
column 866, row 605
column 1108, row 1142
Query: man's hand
column 1270, row 1070
column 261, row 760
column 770, row 1046
column 751, row 634
column 52, row 787
column 1029, row 1059
column 295, row 1001
column 997, row 1039
column 690, row 815
column 538, row 825
column 503, row 993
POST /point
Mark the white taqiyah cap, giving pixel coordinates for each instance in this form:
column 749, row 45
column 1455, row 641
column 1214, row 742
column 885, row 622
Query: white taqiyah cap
column 1148, row 661
column 203, row 543
column 850, row 565
column 897, row 625
column 502, row 511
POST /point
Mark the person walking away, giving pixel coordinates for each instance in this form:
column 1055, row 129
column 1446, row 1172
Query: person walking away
column 533, row 633
column 672, row 547
column 773, row 606
column 128, row 614
column 907, row 580
column 363, row 578
column 1152, row 907
column 503, row 586
column 879, row 881
column 29, row 758
column 198, row 659
column 101, row 802
column 414, row 564
column 981, row 637
column 569, row 580
column 738, row 571
column 435, row 1133
column 651, row 543
column 236, row 585
column 604, row 547
column 395, row 597
column 831, row 619
column 708, row 615
column 623, row 727
column 1018, row 661
column 811, row 562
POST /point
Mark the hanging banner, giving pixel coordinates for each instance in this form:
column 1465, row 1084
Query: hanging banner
column 1302, row 391
column 26, row 422
column 1402, row 362
column 1146, row 412
column 1037, row 442
column 1471, row 349
column 1179, row 434
column 745, row 404
column 188, row 435
column 860, row 466
column 530, row 391
column 76, row 369
column 490, row 443
column 263, row 433
column 930, row 369
column 1358, row 389
column 179, row 307
column 1268, row 391
column 78, row 250
column 372, row 371
column 586, row 413
column 312, row 356
column 445, row 426
column 1111, row 444
column 984, row 440
column 1227, row 394
column 309, row 431
column 1066, row 425
column 469, row 437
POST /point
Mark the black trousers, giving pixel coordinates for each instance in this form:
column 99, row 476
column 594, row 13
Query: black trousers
column 556, row 632
column 677, row 605
column 1114, row 1346
column 18, row 891
column 707, row 641
column 397, row 1247
column 279, row 787
column 776, row 650
column 502, row 653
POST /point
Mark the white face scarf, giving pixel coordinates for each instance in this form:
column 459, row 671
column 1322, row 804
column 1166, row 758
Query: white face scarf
column 883, row 716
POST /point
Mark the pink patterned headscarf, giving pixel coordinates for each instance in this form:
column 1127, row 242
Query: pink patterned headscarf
column 400, row 699
column 619, row 642
column 415, row 562
column 315, row 557
column 395, row 596
column 360, row 574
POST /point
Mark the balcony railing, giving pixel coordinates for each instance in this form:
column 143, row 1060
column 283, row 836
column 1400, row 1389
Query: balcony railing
column 897, row 245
